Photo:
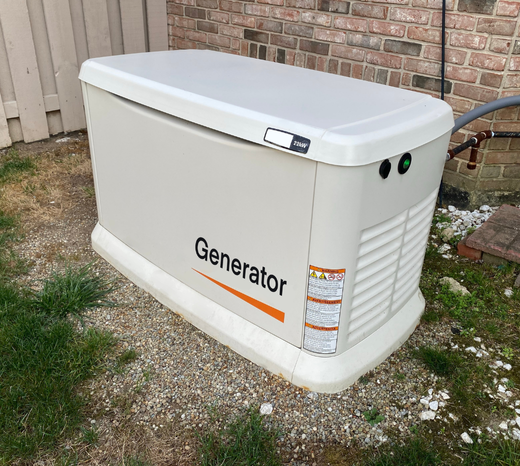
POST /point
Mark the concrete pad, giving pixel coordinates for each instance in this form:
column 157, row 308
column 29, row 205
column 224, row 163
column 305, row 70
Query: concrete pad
column 500, row 235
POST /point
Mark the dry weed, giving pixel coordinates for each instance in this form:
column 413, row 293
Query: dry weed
column 44, row 195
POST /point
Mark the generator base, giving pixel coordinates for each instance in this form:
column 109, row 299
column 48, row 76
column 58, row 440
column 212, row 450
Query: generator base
column 311, row 372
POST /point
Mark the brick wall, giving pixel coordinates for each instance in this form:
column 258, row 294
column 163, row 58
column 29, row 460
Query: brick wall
column 392, row 42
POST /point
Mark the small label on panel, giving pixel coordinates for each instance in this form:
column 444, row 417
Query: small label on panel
column 324, row 296
column 287, row 140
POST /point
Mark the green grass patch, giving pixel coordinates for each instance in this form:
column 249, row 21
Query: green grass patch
column 373, row 417
column 43, row 358
column 244, row 440
column 13, row 165
column 493, row 453
column 72, row 292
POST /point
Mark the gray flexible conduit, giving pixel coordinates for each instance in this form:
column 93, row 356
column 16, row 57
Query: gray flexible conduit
column 483, row 109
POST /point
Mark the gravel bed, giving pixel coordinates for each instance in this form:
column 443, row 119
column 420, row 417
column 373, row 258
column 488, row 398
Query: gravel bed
column 182, row 377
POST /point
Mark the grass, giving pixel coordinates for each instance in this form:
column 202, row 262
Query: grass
column 373, row 417
column 72, row 291
column 416, row 452
column 43, row 358
column 243, row 441
column 13, row 165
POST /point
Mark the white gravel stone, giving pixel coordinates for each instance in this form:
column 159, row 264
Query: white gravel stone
column 454, row 285
column 471, row 349
column 266, row 408
column 434, row 405
column 508, row 367
column 503, row 425
column 444, row 395
column 516, row 434
column 427, row 416
column 508, row 292
column 466, row 438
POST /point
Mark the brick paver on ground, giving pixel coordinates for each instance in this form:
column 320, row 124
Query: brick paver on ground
column 499, row 235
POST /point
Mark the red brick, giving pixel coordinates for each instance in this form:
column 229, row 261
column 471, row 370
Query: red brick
column 476, row 93
column 357, row 71
column 387, row 29
column 507, row 126
column 330, row 36
column 469, row 41
column 268, row 25
column 285, row 14
column 235, row 7
column 305, row 4
column 454, row 21
column 500, row 45
column 512, row 80
column 173, row 9
column 207, row 3
column 218, row 16
column 312, row 46
column 196, row 36
column 502, row 157
column 499, row 185
column 220, row 41
column 272, row 2
column 185, row 2
column 284, row 41
column 488, row 62
column 239, row 45
column 460, row 73
column 508, row 8
column 345, row 69
column 400, row 2
column 508, row 93
column 501, row 27
column 186, row 23
column 452, row 165
column 176, row 32
column 457, row 57
column 433, row 4
column 257, row 10
column 322, row 64
column 512, row 172
column 316, row 18
column 406, row 79
column 298, row 30
column 409, row 15
column 507, row 113
column 185, row 44
column 370, row 11
column 231, row 31
column 384, row 59
column 369, row 73
column 395, row 79
column 290, row 57
column 241, row 20
column 491, row 79
column 350, row 53
column 478, row 125
column 311, row 62
column 333, row 66
column 425, row 34
column 351, row 24
column 458, row 105
column 300, row 59
column 422, row 66
column 514, row 65
column 207, row 26
column 464, row 250
column 198, row 13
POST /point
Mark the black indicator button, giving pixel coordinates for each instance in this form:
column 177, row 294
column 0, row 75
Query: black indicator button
column 384, row 168
column 404, row 163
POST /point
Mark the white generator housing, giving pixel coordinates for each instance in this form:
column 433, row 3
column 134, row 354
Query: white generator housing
column 283, row 211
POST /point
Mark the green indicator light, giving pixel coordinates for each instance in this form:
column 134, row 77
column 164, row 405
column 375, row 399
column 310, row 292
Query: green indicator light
column 406, row 163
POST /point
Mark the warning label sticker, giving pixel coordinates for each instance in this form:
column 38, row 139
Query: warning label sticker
column 324, row 296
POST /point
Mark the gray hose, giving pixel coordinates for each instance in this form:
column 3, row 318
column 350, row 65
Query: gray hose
column 483, row 109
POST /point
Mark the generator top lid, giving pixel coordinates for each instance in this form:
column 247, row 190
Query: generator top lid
column 320, row 116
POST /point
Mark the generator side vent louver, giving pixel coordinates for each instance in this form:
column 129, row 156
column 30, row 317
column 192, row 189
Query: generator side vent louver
column 389, row 266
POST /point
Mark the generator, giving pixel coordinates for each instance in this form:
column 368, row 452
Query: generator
column 283, row 211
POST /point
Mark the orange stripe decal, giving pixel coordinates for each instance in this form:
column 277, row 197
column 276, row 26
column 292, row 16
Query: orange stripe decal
column 278, row 315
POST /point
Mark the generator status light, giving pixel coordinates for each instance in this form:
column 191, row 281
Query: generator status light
column 404, row 163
